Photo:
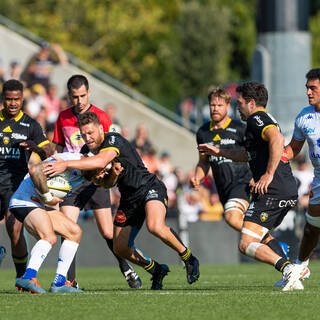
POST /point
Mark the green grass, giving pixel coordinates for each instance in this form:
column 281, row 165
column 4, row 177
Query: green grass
column 225, row 292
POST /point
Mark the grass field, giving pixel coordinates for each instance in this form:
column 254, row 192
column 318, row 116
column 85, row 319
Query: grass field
column 242, row 291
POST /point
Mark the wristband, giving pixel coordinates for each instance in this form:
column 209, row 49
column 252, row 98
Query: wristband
column 46, row 197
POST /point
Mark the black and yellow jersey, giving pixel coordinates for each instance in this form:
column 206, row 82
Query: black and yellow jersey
column 226, row 172
column 13, row 157
column 135, row 178
column 283, row 183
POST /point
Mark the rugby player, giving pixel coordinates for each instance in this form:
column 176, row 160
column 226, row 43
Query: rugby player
column 143, row 196
column 275, row 190
column 29, row 204
column 67, row 138
column 231, row 178
column 307, row 127
column 20, row 135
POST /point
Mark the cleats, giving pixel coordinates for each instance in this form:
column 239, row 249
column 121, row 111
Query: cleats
column 30, row 285
column 2, row 253
column 192, row 269
column 291, row 275
column 66, row 288
column 133, row 279
column 73, row 283
column 306, row 274
column 160, row 272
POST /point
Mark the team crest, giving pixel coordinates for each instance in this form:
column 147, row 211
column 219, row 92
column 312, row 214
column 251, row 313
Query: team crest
column 120, row 217
column 6, row 140
column 263, row 216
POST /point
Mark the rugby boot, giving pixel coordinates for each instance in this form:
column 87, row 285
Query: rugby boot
column 159, row 273
column 30, row 285
column 306, row 274
column 192, row 269
column 2, row 253
column 73, row 283
column 66, row 288
column 133, row 279
column 292, row 274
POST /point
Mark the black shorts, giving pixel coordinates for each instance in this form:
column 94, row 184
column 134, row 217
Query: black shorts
column 268, row 211
column 89, row 197
column 20, row 213
column 240, row 191
column 5, row 195
column 133, row 214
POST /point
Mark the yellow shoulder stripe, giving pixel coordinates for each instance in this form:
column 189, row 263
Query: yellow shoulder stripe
column 112, row 148
column 263, row 136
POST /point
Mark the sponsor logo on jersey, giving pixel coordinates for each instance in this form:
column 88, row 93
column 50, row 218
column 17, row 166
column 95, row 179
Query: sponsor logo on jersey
column 227, row 141
column 24, row 124
column 6, row 140
column 7, row 129
column 260, row 123
column 152, row 194
column 10, row 153
column 34, row 199
column 231, row 130
column 315, row 155
column 219, row 159
column 287, row 203
column 264, row 216
column 112, row 140
column 309, row 116
column 318, row 142
column 76, row 138
column 309, row 130
column 216, row 138
column 120, row 216
column 18, row 136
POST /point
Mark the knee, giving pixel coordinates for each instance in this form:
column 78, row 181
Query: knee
column 75, row 233
column 242, row 246
column 155, row 228
column 106, row 234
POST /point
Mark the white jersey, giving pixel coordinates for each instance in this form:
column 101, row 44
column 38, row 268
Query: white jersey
column 307, row 127
column 27, row 196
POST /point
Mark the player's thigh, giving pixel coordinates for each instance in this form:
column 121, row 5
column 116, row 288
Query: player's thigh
column 64, row 226
column 71, row 212
column 155, row 214
column 39, row 224
column 252, row 232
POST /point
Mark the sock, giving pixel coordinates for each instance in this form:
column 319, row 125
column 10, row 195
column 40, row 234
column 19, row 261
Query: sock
column 20, row 264
column 59, row 280
column 305, row 263
column 123, row 264
column 67, row 252
column 148, row 264
column 275, row 247
column 185, row 255
column 71, row 275
column 38, row 254
column 152, row 266
column 281, row 263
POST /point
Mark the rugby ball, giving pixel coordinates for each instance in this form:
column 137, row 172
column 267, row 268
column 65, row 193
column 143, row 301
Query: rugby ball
column 58, row 186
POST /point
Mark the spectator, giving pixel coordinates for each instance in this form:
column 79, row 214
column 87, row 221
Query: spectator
column 150, row 160
column 41, row 65
column 165, row 165
column 14, row 71
column 141, row 141
column 52, row 103
column 111, row 111
column 35, row 101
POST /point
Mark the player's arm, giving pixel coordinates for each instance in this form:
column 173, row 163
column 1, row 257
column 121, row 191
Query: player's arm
column 98, row 161
column 276, row 143
column 201, row 171
column 44, row 150
column 294, row 148
column 40, row 180
column 108, row 178
column 239, row 155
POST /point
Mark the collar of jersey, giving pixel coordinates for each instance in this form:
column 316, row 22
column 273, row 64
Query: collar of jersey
column 17, row 118
column 262, row 110
column 225, row 125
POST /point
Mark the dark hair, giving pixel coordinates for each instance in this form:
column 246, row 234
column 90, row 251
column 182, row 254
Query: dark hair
column 313, row 74
column 88, row 117
column 219, row 93
column 76, row 81
column 254, row 90
column 12, row 85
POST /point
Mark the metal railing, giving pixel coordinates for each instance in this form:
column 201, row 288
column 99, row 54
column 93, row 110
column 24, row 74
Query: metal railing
column 107, row 79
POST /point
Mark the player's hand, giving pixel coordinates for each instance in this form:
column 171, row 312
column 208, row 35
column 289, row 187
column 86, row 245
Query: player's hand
column 261, row 187
column 208, row 149
column 54, row 201
column 53, row 168
column 29, row 145
column 194, row 182
column 116, row 168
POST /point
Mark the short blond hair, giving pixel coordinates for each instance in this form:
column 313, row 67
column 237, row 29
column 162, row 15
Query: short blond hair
column 219, row 93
